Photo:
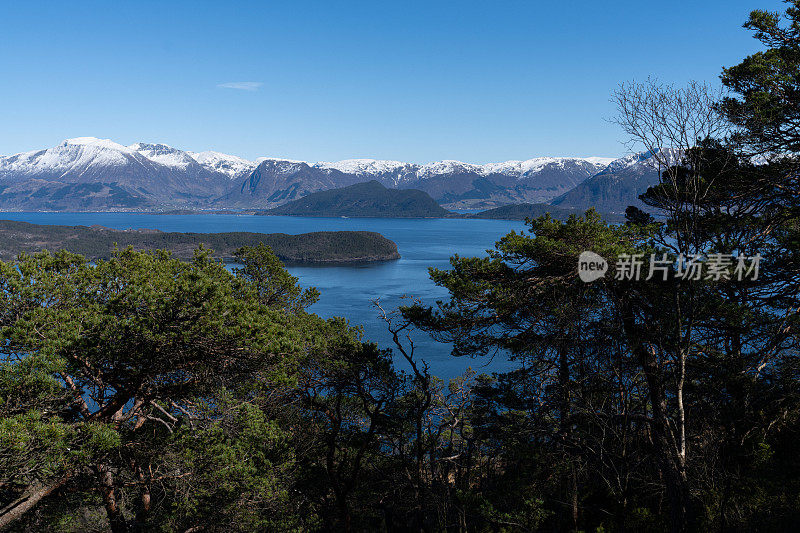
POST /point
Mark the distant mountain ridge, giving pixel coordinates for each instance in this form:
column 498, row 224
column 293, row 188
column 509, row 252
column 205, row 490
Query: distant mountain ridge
column 617, row 186
column 90, row 174
column 87, row 173
column 451, row 183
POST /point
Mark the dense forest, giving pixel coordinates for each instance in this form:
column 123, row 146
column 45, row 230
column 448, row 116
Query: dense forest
column 368, row 199
column 98, row 242
column 146, row 393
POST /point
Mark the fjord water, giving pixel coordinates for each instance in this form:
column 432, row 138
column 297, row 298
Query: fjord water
column 347, row 290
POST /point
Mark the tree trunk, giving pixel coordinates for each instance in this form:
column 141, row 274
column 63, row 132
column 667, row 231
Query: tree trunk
column 116, row 520
column 145, row 501
column 667, row 456
column 675, row 481
column 36, row 493
column 574, row 499
column 565, row 428
column 345, row 522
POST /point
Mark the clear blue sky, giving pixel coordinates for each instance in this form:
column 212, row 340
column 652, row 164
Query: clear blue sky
column 415, row 81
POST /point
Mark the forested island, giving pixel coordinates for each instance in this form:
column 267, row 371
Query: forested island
column 369, row 199
column 98, row 242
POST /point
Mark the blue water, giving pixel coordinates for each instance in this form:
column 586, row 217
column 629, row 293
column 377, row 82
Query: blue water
column 348, row 291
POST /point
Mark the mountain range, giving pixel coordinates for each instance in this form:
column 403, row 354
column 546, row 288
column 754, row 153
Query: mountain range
column 90, row 174
column 615, row 187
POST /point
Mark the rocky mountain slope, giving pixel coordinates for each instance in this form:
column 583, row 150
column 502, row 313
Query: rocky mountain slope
column 451, row 183
column 614, row 188
column 87, row 173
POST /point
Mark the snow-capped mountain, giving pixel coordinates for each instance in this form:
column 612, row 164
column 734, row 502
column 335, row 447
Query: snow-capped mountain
column 371, row 167
column 88, row 173
column 80, row 158
column 192, row 162
column 618, row 185
column 277, row 181
column 390, row 173
column 521, row 169
column 232, row 166
column 165, row 155
column 451, row 183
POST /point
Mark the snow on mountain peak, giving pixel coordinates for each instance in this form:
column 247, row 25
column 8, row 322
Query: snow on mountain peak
column 94, row 142
column 230, row 165
column 537, row 164
column 448, row 166
column 279, row 160
column 281, row 167
column 79, row 155
column 514, row 168
column 89, row 156
column 362, row 166
column 644, row 159
column 153, row 147
column 74, row 156
column 164, row 154
column 599, row 161
column 211, row 157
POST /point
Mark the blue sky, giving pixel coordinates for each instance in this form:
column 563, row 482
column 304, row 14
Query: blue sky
column 414, row 81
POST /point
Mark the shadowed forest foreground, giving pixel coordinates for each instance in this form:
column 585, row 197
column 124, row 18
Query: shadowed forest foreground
column 147, row 393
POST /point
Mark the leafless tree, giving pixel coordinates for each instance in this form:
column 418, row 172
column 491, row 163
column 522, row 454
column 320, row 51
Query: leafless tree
column 667, row 120
column 670, row 122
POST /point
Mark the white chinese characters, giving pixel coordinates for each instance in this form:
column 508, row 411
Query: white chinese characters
column 691, row 267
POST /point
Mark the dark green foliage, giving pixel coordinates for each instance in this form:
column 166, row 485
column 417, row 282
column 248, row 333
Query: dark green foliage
column 265, row 274
column 370, row 199
column 97, row 242
column 152, row 382
column 658, row 404
column 767, row 84
column 634, row 215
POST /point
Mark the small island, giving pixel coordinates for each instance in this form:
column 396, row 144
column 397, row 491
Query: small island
column 98, row 242
column 372, row 200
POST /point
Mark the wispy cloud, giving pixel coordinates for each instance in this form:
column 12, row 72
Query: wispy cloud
column 241, row 85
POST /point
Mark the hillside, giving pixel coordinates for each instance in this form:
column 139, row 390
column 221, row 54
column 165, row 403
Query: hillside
column 370, row 199
column 615, row 188
column 97, row 242
column 523, row 211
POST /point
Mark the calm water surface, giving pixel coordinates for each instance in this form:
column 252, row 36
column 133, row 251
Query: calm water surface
column 347, row 291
